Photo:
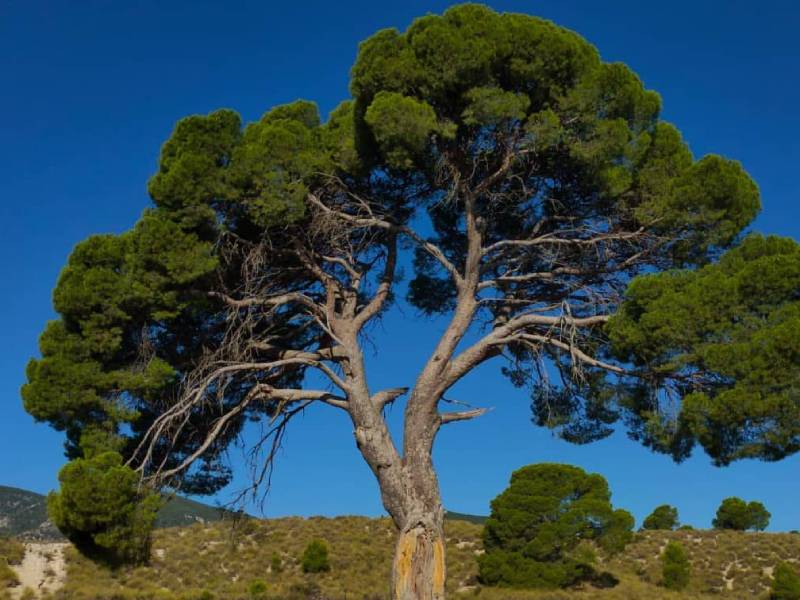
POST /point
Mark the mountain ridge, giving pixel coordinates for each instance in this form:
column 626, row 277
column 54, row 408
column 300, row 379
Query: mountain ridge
column 23, row 514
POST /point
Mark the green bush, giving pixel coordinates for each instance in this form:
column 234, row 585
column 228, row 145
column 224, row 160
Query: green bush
column 315, row 558
column 785, row 583
column 533, row 534
column 675, row 567
column 663, row 517
column 276, row 564
column 257, row 588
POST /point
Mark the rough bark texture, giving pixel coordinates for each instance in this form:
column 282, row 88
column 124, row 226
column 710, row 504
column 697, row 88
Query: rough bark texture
column 418, row 572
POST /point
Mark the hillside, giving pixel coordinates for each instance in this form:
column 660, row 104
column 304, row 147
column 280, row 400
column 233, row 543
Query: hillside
column 221, row 562
column 24, row 514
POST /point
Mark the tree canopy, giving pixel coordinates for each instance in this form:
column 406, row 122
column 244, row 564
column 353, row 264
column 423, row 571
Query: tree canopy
column 545, row 207
column 735, row 513
column 540, row 519
column 662, row 517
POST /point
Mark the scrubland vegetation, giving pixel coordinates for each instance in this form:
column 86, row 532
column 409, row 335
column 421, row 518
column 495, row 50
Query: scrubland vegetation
column 263, row 560
column 11, row 553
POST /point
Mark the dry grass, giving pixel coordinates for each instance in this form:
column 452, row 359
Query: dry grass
column 221, row 562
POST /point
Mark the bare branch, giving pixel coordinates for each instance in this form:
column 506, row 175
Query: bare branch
column 384, row 288
column 576, row 352
column 436, row 253
column 429, row 247
column 452, row 417
column 550, row 239
column 333, row 354
column 384, row 397
column 269, row 301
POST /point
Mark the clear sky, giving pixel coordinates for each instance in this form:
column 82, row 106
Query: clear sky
column 90, row 90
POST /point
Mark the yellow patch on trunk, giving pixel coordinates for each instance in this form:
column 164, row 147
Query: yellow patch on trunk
column 412, row 545
column 402, row 563
column 438, row 568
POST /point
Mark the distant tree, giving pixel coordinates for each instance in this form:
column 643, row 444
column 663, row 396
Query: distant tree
column 540, row 206
column 663, row 517
column 676, row 570
column 539, row 521
column 315, row 557
column 759, row 516
column 735, row 513
column 101, row 509
column 785, row 583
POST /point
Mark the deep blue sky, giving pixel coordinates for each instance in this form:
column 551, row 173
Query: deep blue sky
column 90, row 90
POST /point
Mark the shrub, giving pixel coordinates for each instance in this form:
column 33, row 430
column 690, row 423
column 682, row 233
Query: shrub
column 538, row 522
column 12, row 550
column 786, row 583
column 8, row 578
column 663, row 517
column 276, row 564
column 675, row 567
column 257, row 588
column 315, row 558
column 735, row 513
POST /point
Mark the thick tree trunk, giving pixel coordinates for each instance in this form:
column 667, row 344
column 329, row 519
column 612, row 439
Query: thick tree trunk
column 410, row 493
column 418, row 571
column 408, row 483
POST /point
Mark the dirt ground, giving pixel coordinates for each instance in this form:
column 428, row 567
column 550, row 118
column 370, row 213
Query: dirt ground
column 43, row 568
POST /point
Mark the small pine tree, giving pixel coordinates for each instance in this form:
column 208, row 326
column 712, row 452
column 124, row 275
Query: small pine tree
column 102, row 511
column 759, row 516
column 663, row 517
column 735, row 513
column 675, row 567
column 786, row 583
column 533, row 534
column 315, row 558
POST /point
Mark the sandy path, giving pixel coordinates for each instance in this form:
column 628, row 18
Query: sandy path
column 42, row 569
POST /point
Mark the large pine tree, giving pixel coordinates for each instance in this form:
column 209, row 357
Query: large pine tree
column 549, row 211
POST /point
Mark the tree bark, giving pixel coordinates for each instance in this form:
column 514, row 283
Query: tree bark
column 418, row 571
column 410, row 493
